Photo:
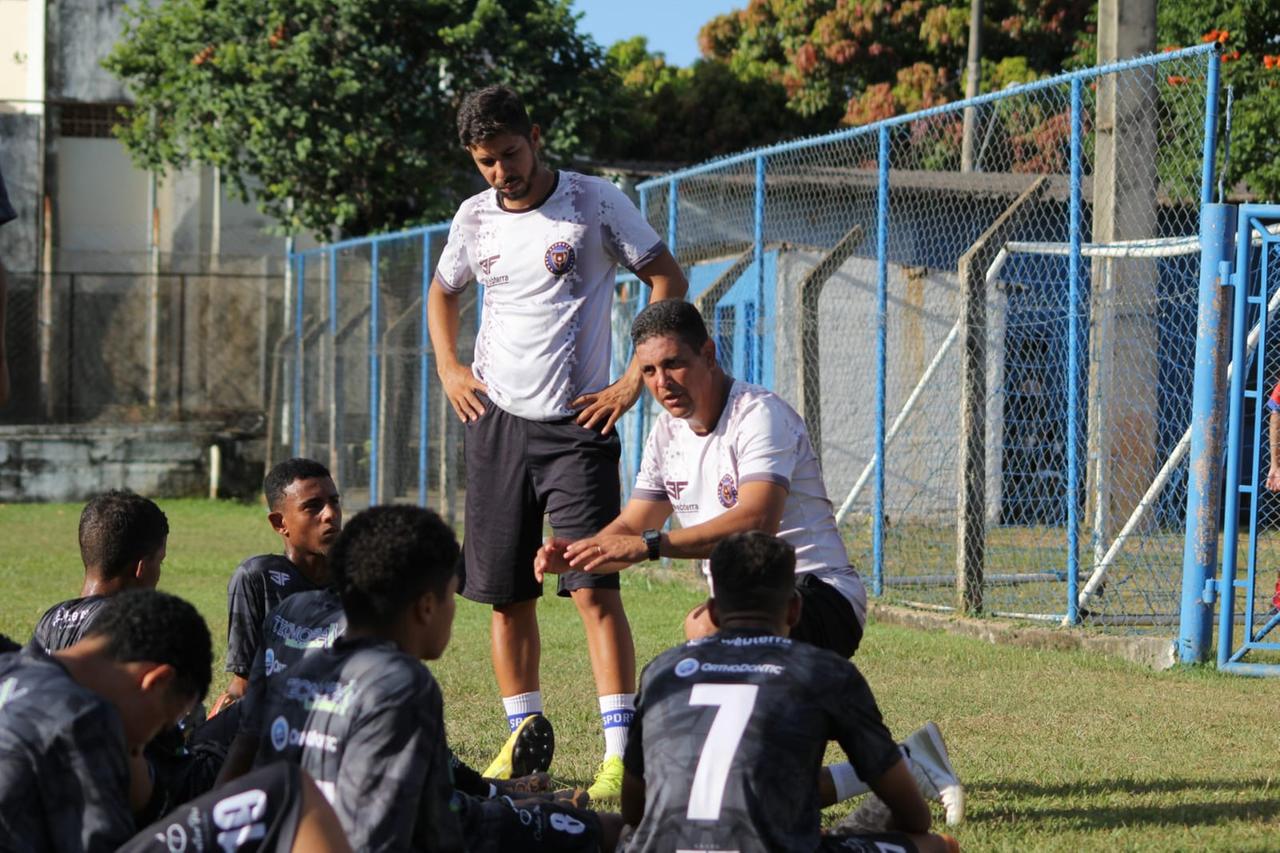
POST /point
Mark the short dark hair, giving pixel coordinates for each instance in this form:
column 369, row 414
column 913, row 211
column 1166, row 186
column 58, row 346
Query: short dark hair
column 673, row 317
column 119, row 528
column 489, row 112
column 283, row 474
column 753, row 571
column 148, row 625
column 389, row 556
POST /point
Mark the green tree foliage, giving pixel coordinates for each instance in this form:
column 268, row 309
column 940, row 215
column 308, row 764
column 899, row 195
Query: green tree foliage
column 864, row 61
column 1248, row 35
column 689, row 114
column 339, row 114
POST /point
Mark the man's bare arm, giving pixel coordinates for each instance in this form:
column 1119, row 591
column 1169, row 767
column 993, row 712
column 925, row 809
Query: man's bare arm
column 667, row 281
column 460, row 384
column 760, row 506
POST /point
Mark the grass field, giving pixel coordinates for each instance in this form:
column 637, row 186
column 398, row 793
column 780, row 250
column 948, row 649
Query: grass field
column 1059, row 751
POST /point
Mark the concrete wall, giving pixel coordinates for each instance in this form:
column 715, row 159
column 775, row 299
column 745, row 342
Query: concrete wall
column 14, row 55
column 65, row 463
column 20, row 164
column 73, row 463
column 83, row 33
column 102, row 199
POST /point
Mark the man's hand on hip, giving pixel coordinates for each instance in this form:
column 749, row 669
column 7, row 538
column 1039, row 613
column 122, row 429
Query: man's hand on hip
column 461, row 386
column 609, row 404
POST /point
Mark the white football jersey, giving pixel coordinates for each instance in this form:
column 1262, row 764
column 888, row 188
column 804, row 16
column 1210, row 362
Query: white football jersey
column 758, row 437
column 548, row 276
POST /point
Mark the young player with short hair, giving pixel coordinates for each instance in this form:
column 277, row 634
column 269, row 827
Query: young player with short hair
column 728, row 457
column 537, row 401
column 122, row 546
column 304, row 509
column 73, row 722
column 307, row 623
column 365, row 717
column 731, row 728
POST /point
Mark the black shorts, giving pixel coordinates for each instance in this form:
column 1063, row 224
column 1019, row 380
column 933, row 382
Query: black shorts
column 875, row 842
column 827, row 619
column 519, row 471
column 257, row 812
column 536, row 826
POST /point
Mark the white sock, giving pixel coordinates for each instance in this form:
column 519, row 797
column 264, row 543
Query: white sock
column 846, row 781
column 520, row 706
column 616, row 713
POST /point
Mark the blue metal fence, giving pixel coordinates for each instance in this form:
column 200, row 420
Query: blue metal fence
column 834, row 268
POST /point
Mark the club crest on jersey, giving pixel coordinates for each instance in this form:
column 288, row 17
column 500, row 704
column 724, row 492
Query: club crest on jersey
column 687, row 667
column 487, row 264
column 559, row 258
column 727, row 491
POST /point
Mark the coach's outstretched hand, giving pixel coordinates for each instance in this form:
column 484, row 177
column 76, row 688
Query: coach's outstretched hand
column 460, row 386
column 601, row 554
column 550, row 559
column 609, row 404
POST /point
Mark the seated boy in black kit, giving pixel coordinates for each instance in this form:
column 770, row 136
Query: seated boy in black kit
column 73, row 722
column 366, row 719
column 730, row 729
column 122, row 545
column 304, row 508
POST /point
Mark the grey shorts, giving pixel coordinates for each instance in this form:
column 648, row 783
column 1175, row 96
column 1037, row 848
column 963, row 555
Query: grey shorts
column 518, row 472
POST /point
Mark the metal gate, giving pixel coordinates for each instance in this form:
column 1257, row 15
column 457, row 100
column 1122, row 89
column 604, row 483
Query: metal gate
column 1251, row 600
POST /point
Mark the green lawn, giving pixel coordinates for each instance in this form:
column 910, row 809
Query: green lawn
column 1059, row 751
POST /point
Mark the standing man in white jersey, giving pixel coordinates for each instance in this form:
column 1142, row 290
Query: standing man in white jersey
column 536, row 400
column 729, row 457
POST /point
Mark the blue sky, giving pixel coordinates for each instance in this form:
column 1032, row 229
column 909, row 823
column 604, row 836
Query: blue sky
column 670, row 25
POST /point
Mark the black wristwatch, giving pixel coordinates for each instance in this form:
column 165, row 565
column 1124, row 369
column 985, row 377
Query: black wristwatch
column 652, row 541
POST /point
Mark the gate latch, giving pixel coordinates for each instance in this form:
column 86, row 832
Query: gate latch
column 1210, row 593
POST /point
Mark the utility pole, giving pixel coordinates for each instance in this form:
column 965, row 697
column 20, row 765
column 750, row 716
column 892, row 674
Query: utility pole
column 973, row 76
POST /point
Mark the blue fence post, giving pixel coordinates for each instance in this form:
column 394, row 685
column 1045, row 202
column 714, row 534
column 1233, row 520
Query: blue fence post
column 1073, row 359
column 424, row 344
column 882, row 331
column 1210, row 131
column 1231, row 513
column 374, row 390
column 335, row 373
column 299, row 270
column 762, row 311
column 1204, row 479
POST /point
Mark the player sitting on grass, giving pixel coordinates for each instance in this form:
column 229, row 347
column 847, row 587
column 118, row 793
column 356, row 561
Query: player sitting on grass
column 122, row 544
column 730, row 729
column 366, row 718
column 304, row 509
column 307, row 623
column 73, row 722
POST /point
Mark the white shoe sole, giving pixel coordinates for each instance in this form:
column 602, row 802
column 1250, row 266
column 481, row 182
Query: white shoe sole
column 929, row 753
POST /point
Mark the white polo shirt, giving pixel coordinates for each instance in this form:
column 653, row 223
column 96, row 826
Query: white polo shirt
column 758, row 437
column 548, row 276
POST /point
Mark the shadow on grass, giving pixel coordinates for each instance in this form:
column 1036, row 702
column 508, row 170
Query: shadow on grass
column 1187, row 806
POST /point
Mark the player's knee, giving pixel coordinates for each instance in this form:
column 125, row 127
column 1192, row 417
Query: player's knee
column 597, row 602
column 698, row 623
column 516, row 611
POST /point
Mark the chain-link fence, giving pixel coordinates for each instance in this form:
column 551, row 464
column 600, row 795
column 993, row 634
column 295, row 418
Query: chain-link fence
column 367, row 401
column 1013, row 337
column 132, row 347
column 993, row 358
